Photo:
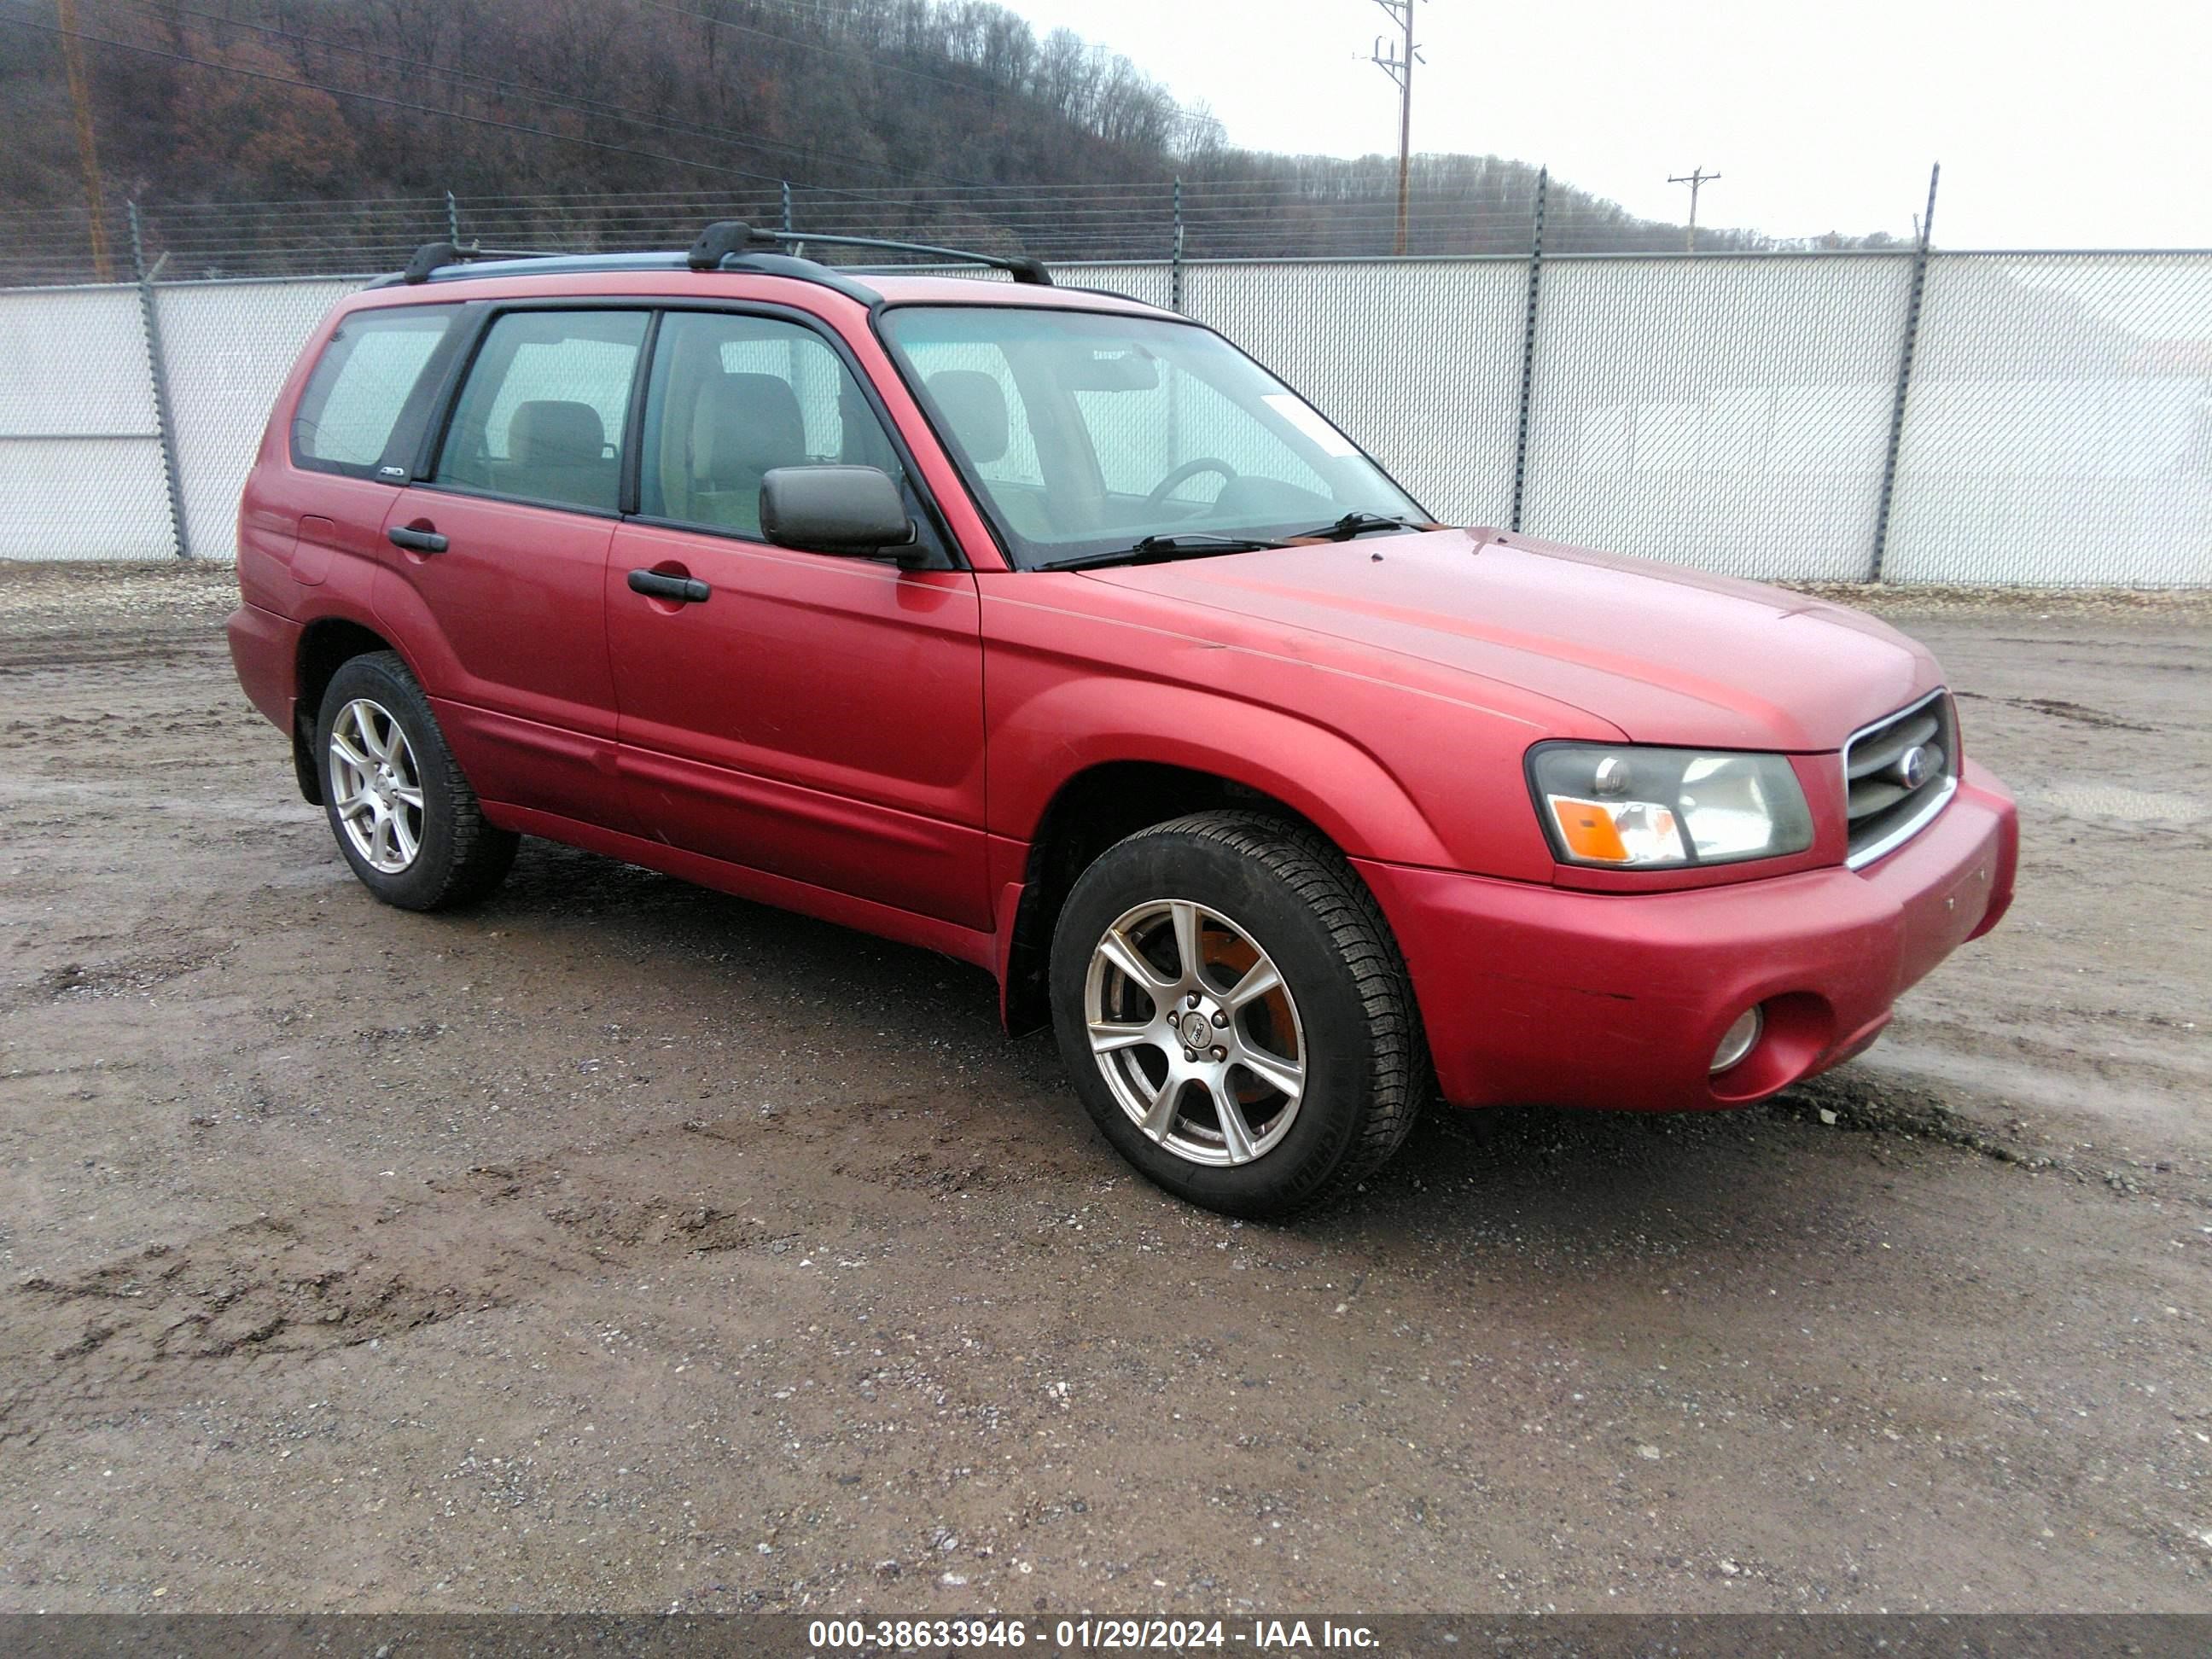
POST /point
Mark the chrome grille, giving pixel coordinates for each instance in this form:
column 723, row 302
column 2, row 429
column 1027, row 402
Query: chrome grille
column 1897, row 774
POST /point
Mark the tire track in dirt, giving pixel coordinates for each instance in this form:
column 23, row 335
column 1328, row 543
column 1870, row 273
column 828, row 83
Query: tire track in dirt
column 68, row 653
column 143, row 1329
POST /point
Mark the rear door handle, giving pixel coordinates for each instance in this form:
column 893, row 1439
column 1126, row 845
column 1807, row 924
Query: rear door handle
column 418, row 541
column 685, row 590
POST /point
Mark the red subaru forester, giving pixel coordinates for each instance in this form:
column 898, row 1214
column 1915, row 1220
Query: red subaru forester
column 1045, row 629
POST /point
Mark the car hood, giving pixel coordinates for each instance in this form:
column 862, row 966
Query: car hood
column 1664, row 656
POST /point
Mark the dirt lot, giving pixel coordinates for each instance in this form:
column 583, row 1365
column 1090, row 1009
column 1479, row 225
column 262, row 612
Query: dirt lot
column 620, row 1245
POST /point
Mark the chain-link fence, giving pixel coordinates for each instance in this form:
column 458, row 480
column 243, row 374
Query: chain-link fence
column 2060, row 418
column 1731, row 414
column 1419, row 360
column 2034, row 419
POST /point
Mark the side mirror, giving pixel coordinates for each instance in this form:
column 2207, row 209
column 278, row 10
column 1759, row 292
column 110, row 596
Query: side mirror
column 834, row 509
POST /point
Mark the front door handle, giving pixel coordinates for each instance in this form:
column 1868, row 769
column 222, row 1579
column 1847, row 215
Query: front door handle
column 685, row 590
column 417, row 541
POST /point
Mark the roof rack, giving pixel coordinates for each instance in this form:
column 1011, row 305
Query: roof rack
column 432, row 256
column 733, row 239
column 727, row 237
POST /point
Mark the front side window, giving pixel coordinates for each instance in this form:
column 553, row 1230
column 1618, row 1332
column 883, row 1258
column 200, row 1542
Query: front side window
column 1084, row 432
column 360, row 385
column 541, row 416
column 730, row 398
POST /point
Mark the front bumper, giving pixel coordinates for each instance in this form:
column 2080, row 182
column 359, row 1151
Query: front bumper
column 1544, row 996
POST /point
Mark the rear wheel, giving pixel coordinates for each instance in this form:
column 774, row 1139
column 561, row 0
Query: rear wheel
column 403, row 814
column 1235, row 1014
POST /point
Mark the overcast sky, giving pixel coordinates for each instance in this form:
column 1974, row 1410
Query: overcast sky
column 2080, row 125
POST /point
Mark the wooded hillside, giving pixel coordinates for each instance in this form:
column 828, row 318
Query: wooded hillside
column 935, row 118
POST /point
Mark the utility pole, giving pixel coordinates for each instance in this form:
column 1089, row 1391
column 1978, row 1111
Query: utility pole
column 88, row 152
column 1696, row 179
column 1399, row 66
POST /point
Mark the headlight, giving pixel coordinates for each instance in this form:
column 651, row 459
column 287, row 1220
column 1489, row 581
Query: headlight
column 1629, row 807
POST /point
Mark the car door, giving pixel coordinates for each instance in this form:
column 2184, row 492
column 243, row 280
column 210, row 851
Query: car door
column 497, row 574
column 814, row 716
column 358, row 422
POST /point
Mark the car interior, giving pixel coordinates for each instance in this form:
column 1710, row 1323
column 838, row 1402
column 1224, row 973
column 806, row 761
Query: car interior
column 1090, row 436
column 713, row 432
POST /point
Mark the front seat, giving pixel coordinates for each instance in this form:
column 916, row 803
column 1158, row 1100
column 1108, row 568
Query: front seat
column 747, row 425
column 974, row 405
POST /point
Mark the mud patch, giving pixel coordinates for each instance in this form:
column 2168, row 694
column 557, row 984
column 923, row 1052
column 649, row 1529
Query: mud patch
column 128, row 974
column 90, row 1341
column 334, row 1275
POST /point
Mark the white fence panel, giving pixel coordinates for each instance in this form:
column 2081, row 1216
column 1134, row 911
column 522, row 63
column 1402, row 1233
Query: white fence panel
column 228, row 347
column 83, row 498
column 80, row 452
column 1728, row 414
column 73, row 360
column 2059, row 430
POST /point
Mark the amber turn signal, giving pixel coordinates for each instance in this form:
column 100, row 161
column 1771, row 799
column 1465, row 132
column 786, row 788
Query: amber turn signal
column 1588, row 830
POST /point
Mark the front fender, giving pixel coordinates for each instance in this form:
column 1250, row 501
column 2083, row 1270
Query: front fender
column 1065, row 729
column 1377, row 750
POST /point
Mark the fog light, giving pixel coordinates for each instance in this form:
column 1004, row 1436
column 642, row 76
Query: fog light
column 1740, row 1038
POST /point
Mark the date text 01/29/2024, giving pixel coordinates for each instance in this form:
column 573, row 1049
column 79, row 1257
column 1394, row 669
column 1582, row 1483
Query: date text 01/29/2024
column 1085, row 1634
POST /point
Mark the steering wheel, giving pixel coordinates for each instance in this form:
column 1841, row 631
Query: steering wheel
column 1189, row 470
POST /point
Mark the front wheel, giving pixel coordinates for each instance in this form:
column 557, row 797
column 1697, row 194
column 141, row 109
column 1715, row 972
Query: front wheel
column 1235, row 1014
column 404, row 816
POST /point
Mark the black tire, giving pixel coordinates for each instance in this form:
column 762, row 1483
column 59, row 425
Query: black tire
column 1364, row 1057
column 459, row 857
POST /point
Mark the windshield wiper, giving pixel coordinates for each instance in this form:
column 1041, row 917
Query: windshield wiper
column 1197, row 543
column 1354, row 523
column 1159, row 550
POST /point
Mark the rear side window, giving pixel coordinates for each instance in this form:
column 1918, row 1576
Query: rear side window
column 362, row 384
column 541, row 416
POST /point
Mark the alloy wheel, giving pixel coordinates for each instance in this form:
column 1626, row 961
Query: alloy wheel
column 376, row 787
column 1195, row 1032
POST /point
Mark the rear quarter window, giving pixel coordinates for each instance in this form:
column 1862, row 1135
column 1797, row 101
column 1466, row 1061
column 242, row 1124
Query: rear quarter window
column 362, row 384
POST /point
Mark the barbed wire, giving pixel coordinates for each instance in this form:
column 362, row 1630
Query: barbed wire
column 1110, row 221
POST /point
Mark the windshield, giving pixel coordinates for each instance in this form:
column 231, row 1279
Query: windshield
column 1083, row 433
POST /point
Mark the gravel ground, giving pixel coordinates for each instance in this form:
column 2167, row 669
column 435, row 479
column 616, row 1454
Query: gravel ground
column 619, row 1245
